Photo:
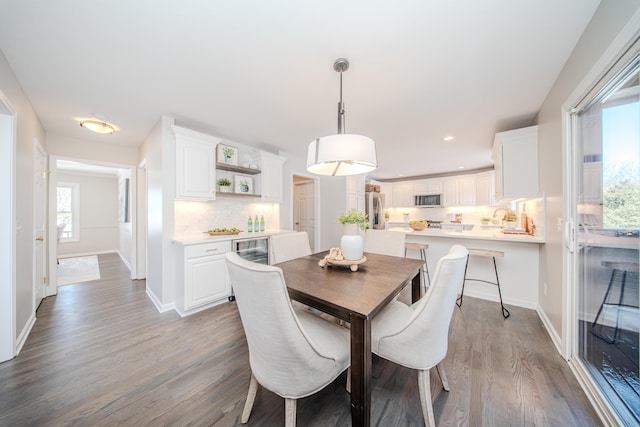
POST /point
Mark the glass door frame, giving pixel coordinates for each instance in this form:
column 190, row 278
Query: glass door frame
column 621, row 51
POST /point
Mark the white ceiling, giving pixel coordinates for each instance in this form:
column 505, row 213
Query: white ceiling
column 260, row 72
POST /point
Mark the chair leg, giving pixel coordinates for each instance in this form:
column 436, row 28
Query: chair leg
column 424, row 386
column 290, row 412
column 459, row 300
column 443, row 376
column 349, row 379
column 251, row 397
column 505, row 312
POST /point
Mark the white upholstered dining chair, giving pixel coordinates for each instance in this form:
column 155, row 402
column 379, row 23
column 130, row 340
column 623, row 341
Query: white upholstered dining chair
column 292, row 353
column 416, row 336
column 288, row 246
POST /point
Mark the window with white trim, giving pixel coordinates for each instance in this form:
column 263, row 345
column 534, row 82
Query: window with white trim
column 68, row 210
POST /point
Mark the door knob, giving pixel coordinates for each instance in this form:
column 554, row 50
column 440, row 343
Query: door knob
column 297, row 223
column 40, row 238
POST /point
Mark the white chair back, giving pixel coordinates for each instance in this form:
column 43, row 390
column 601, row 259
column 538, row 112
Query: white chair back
column 384, row 242
column 288, row 246
column 283, row 358
column 420, row 342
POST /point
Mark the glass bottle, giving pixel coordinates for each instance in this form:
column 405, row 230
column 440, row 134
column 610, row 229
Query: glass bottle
column 256, row 224
column 249, row 225
column 261, row 222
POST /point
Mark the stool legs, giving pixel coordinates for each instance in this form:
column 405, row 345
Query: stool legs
column 505, row 312
column 424, row 269
column 604, row 301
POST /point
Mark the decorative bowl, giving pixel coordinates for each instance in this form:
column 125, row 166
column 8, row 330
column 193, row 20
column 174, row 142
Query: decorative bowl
column 418, row 226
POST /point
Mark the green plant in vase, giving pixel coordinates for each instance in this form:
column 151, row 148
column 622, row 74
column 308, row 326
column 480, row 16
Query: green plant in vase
column 224, row 184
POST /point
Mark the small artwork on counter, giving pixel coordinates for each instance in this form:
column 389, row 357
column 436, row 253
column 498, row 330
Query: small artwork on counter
column 243, row 184
column 227, row 154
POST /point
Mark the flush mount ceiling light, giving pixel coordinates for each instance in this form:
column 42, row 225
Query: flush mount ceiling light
column 343, row 153
column 98, row 126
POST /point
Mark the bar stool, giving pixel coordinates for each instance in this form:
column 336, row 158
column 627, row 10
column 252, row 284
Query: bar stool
column 489, row 254
column 616, row 267
column 423, row 256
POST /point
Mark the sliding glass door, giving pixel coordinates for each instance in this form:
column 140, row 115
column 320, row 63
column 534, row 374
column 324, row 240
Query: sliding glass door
column 606, row 208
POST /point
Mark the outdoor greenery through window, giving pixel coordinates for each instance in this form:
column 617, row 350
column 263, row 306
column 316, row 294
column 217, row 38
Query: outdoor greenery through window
column 620, row 157
column 67, row 209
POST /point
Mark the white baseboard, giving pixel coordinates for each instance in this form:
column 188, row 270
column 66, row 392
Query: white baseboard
column 159, row 306
column 553, row 334
column 124, row 261
column 22, row 338
column 87, row 254
column 198, row 309
column 495, row 298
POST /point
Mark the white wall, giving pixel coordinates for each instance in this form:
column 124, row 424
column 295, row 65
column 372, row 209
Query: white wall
column 28, row 127
column 606, row 23
column 100, row 152
column 158, row 150
column 99, row 230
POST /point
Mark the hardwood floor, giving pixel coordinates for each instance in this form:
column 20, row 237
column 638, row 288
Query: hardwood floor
column 101, row 354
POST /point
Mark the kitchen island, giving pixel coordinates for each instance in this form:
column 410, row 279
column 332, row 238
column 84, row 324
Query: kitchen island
column 518, row 270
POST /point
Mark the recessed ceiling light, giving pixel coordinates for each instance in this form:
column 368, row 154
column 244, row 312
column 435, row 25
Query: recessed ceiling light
column 448, row 138
column 460, row 167
column 98, row 126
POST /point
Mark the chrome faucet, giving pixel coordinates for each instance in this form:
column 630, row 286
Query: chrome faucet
column 499, row 209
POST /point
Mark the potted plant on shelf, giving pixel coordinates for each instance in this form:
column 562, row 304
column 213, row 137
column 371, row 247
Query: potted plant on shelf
column 351, row 243
column 224, row 185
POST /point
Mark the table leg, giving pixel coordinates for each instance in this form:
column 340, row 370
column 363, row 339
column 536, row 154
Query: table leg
column 415, row 288
column 361, row 371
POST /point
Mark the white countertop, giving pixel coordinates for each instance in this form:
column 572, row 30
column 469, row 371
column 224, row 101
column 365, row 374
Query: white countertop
column 477, row 234
column 195, row 239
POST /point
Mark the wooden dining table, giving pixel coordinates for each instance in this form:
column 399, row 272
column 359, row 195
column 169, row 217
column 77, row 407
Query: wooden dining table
column 355, row 297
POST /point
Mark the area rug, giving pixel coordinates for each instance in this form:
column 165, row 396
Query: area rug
column 78, row 270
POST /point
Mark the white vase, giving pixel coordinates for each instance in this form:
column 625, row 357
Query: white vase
column 351, row 243
column 225, row 189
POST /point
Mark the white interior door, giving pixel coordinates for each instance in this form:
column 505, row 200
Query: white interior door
column 39, row 224
column 304, row 209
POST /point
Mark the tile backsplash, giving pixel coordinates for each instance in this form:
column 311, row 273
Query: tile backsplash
column 192, row 218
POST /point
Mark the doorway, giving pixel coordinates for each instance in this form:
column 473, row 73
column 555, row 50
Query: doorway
column 39, row 223
column 7, row 230
column 304, row 207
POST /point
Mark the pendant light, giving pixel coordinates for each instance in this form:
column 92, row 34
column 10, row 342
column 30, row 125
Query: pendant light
column 343, row 153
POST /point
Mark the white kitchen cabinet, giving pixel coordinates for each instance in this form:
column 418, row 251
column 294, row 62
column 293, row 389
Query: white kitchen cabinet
column 195, row 165
column 459, row 191
column 485, row 188
column 355, row 192
column 204, row 277
column 403, row 194
column 591, row 182
column 272, row 177
column 515, row 157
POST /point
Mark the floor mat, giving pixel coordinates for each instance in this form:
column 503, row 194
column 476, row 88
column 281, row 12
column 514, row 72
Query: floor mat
column 78, row 269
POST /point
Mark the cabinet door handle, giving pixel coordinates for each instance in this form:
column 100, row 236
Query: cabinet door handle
column 211, row 250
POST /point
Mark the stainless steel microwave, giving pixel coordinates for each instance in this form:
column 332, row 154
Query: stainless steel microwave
column 428, row 200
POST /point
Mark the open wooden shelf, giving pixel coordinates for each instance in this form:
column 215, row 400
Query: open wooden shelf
column 239, row 169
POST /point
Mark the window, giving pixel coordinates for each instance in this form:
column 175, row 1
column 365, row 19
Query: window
column 68, row 211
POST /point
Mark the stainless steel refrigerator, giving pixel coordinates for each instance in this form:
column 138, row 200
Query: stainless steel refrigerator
column 374, row 206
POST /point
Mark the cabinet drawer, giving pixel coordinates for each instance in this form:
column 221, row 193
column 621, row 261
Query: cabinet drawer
column 205, row 249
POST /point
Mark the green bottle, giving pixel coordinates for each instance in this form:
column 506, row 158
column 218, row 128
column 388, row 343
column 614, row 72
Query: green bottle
column 256, row 224
column 249, row 225
column 261, row 222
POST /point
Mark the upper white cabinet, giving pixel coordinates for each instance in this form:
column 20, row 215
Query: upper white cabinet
column 591, row 183
column 459, row 191
column 515, row 156
column 403, row 194
column 485, row 188
column 195, row 164
column 355, row 192
column 272, row 177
